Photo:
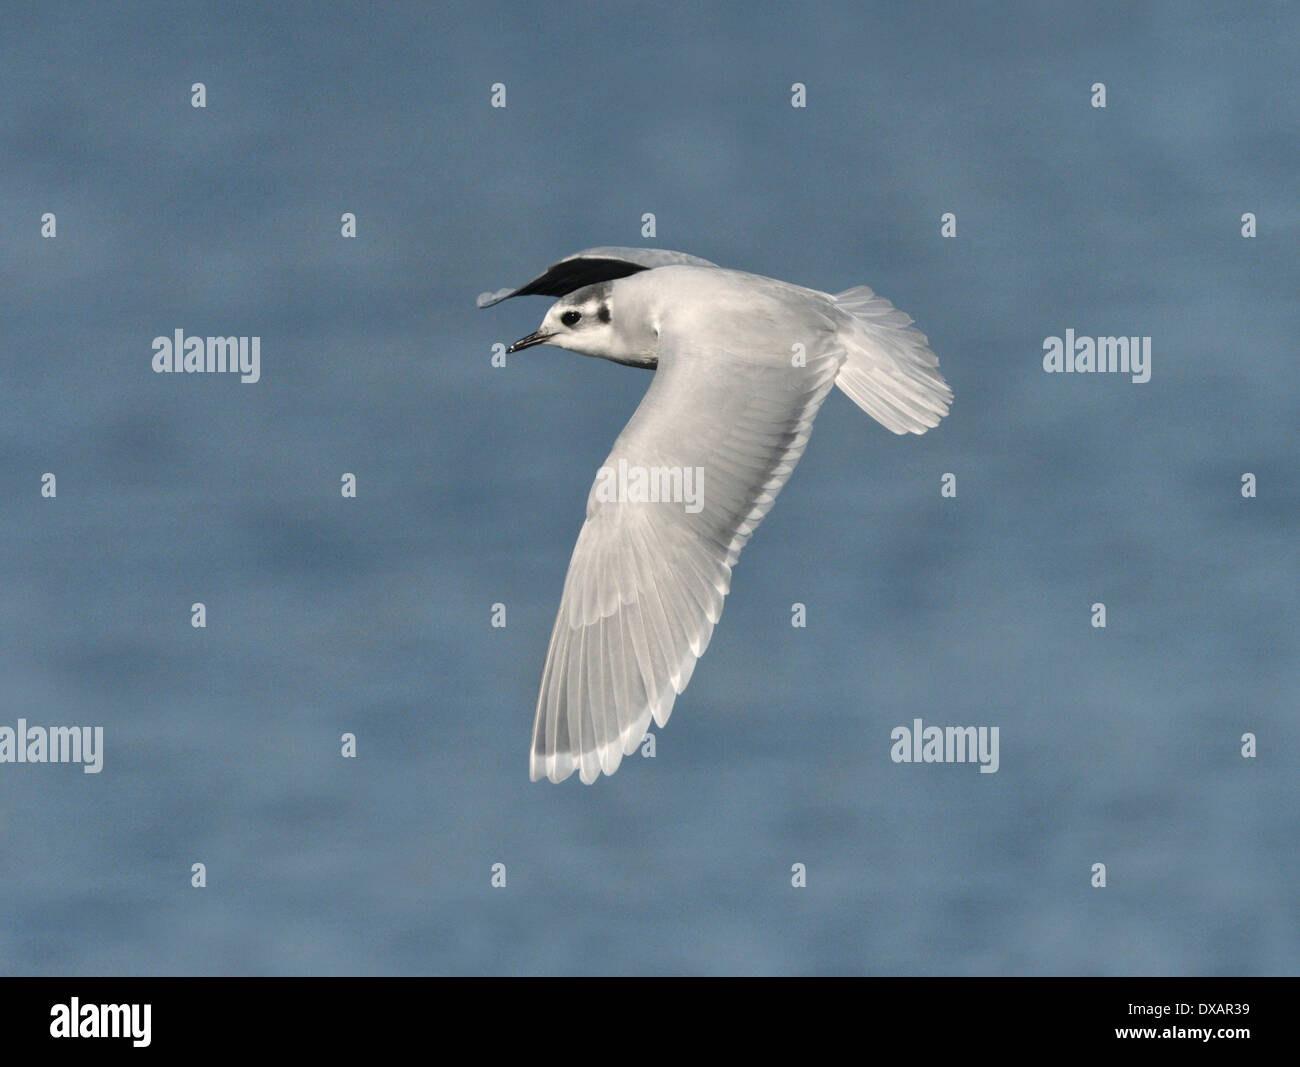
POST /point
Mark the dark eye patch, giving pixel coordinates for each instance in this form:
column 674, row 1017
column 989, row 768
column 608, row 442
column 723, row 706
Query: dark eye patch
column 569, row 318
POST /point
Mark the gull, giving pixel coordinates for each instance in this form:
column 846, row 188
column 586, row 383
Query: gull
column 741, row 366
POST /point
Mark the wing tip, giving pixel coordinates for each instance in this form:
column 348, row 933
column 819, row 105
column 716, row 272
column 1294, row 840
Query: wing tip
column 486, row 300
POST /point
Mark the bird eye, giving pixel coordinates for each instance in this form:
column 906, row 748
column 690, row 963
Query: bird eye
column 570, row 318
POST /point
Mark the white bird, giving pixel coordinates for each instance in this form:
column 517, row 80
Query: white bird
column 742, row 364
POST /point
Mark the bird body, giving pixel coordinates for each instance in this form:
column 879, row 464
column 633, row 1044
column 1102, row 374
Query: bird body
column 742, row 365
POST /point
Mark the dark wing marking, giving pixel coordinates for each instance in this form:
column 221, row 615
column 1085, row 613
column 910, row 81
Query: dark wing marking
column 592, row 266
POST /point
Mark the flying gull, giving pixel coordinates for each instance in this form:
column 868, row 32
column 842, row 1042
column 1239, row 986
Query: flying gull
column 742, row 364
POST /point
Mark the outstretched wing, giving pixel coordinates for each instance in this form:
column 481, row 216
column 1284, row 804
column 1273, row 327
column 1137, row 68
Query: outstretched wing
column 593, row 265
column 647, row 580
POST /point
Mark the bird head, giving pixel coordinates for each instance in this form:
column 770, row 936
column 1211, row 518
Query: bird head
column 584, row 322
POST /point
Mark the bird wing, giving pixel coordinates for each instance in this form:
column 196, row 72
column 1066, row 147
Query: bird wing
column 647, row 580
column 591, row 266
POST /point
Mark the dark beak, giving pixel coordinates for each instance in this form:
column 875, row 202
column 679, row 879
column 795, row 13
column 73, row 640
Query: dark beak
column 528, row 342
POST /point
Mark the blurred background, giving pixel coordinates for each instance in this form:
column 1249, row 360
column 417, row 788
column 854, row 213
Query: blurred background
column 371, row 616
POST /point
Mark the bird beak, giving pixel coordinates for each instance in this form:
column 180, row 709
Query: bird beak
column 528, row 342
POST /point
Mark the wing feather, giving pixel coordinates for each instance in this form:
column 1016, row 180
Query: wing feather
column 591, row 266
column 647, row 581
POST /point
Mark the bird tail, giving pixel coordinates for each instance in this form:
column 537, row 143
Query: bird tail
column 889, row 371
